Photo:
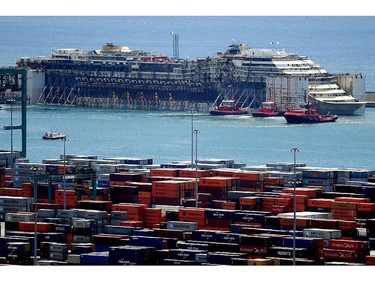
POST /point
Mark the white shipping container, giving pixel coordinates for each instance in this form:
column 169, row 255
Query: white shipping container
column 322, row 233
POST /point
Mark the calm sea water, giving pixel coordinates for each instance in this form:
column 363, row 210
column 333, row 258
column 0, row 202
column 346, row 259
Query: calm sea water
column 166, row 136
column 339, row 44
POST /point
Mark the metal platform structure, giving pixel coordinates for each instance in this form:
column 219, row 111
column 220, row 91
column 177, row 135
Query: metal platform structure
column 13, row 91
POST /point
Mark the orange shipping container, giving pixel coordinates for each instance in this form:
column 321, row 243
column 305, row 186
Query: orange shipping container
column 10, row 191
column 165, row 193
column 302, row 222
column 229, row 205
column 223, row 173
column 347, row 224
column 249, row 201
column 30, row 226
column 132, row 223
column 215, row 181
column 344, row 212
column 320, row 203
column 353, row 199
column 284, row 202
column 171, row 184
column 153, row 220
column 198, row 213
column 191, row 173
column 145, row 201
column 300, row 199
column 152, row 212
column 68, row 193
column 366, row 207
column 251, row 175
column 274, row 181
column 165, row 172
column 344, row 205
column 144, row 194
column 268, row 200
column 130, row 208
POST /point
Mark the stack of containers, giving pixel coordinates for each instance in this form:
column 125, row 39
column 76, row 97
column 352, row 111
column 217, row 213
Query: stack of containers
column 164, row 172
column 153, row 217
column 117, row 217
column 252, row 180
column 144, row 192
column 122, row 178
column 82, row 230
column 192, row 173
column 70, row 198
column 123, row 194
column 197, row 215
column 2, row 177
column 204, row 200
column 344, row 208
column 135, row 213
column 253, row 203
column 11, row 204
column 24, row 172
column 218, row 187
column 346, row 250
column 19, row 253
column 12, row 220
column 54, row 251
column 319, row 177
column 218, row 219
column 171, row 192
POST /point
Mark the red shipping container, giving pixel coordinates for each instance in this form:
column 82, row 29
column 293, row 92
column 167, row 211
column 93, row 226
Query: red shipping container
column 132, row 223
column 370, row 260
column 344, row 205
column 353, row 199
column 366, row 207
column 348, row 244
column 320, row 203
column 347, row 224
column 254, row 250
column 339, row 255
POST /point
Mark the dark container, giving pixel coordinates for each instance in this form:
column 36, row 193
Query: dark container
column 223, row 258
column 94, row 258
column 223, row 247
column 248, row 217
column 82, row 248
column 156, row 242
column 192, row 245
column 170, row 233
column 132, row 255
column 184, row 254
column 287, row 252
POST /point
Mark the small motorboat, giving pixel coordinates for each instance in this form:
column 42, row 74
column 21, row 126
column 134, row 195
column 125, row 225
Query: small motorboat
column 228, row 107
column 53, row 136
column 268, row 109
column 308, row 115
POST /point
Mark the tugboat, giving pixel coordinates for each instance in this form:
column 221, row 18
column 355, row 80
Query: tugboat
column 228, row 107
column 268, row 109
column 53, row 136
column 308, row 115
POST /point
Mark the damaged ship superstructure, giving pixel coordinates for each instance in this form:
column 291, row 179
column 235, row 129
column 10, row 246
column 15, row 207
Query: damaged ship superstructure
column 119, row 77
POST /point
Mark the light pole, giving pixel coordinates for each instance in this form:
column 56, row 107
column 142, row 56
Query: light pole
column 196, row 132
column 64, row 139
column 11, row 128
column 295, row 150
column 35, row 169
column 192, row 136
